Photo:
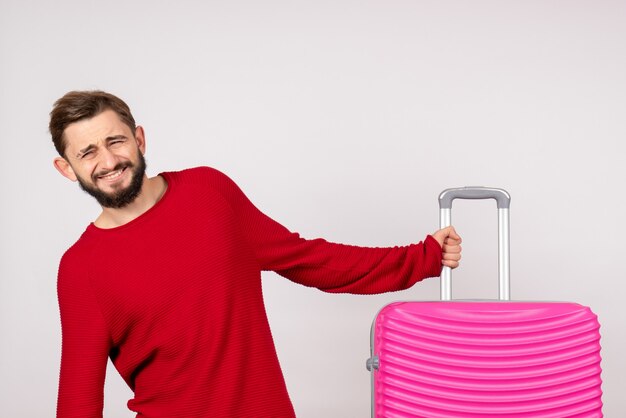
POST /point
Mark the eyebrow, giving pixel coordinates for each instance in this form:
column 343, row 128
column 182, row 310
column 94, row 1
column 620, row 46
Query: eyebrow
column 92, row 146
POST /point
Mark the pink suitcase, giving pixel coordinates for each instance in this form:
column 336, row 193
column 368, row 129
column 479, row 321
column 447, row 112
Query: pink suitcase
column 485, row 358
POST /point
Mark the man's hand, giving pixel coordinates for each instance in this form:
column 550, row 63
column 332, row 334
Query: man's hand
column 450, row 242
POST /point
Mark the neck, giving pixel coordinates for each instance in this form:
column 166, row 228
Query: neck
column 151, row 192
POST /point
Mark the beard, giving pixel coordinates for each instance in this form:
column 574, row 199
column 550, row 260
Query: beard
column 122, row 197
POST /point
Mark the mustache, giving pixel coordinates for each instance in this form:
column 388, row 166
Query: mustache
column 117, row 167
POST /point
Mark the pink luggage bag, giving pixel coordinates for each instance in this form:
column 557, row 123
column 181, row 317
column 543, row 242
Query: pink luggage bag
column 485, row 358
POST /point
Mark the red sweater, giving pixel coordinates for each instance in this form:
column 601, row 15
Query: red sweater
column 174, row 299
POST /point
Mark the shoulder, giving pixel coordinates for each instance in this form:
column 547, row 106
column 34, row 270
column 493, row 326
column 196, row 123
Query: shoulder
column 79, row 255
column 79, row 249
column 74, row 265
column 202, row 176
column 195, row 174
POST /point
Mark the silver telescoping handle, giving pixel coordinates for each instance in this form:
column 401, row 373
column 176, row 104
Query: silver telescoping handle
column 503, row 200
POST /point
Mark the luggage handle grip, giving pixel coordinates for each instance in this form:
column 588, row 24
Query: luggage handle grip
column 503, row 200
column 447, row 196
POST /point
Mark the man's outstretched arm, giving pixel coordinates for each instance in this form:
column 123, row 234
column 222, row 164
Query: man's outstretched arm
column 332, row 267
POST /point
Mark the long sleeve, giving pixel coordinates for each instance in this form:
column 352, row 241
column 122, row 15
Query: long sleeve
column 85, row 344
column 331, row 267
column 174, row 297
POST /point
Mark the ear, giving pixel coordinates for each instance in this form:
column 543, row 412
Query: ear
column 64, row 168
column 141, row 139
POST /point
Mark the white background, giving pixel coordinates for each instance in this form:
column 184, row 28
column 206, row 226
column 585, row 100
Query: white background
column 341, row 119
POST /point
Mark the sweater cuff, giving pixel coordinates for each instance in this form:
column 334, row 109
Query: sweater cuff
column 434, row 255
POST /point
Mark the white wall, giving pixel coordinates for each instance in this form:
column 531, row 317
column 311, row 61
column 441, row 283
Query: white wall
column 342, row 119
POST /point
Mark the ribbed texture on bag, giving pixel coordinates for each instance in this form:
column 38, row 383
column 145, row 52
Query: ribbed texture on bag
column 487, row 359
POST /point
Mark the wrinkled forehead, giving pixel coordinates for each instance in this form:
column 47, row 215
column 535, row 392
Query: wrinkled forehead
column 94, row 131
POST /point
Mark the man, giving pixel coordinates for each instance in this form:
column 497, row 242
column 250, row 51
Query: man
column 167, row 280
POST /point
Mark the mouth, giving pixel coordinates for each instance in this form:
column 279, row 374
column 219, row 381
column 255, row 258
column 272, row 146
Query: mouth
column 113, row 175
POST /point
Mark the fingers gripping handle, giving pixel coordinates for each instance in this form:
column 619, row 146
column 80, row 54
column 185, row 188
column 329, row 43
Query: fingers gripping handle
column 503, row 200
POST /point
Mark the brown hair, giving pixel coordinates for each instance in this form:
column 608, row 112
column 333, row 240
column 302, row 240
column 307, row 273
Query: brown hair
column 77, row 105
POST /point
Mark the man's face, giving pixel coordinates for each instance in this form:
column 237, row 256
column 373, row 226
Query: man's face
column 106, row 159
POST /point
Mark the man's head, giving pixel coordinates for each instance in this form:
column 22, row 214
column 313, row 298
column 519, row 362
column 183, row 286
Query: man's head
column 78, row 105
column 99, row 146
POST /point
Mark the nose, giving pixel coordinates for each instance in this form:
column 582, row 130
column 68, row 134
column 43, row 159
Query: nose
column 108, row 160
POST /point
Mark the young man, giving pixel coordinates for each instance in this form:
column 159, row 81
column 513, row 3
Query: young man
column 167, row 280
